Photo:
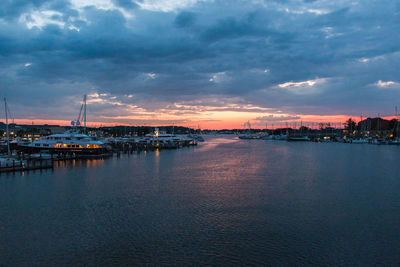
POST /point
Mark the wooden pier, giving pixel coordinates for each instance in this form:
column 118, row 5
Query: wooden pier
column 26, row 165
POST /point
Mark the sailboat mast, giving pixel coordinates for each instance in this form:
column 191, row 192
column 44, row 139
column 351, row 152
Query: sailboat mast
column 84, row 115
column 397, row 123
column 8, row 136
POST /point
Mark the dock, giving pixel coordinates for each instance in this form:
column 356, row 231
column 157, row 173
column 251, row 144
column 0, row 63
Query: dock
column 26, row 165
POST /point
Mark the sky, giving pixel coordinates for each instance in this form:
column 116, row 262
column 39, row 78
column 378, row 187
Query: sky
column 201, row 63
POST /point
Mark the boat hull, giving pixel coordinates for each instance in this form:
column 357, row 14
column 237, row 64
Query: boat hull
column 299, row 139
column 78, row 151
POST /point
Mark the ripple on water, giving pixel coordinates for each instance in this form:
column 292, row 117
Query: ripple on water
column 225, row 202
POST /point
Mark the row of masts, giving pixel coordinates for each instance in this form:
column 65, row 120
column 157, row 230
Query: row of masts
column 294, row 124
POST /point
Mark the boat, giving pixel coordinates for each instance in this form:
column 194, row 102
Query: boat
column 281, row 137
column 267, row 137
column 380, row 141
column 69, row 142
column 359, row 141
column 157, row 137
column 7, row 161
column 299, row 138
column 250, row 136
column 394, row 142
column 196, row 137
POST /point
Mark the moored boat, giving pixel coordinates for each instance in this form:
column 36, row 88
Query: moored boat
column 68, row 142
column 299, row 138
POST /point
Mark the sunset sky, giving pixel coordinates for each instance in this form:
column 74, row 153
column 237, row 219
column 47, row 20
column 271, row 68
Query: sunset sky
column 208, row 63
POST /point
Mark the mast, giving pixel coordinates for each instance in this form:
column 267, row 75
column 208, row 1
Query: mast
column 78, row 121
column 379, row 124
column 84, row 115
column 362, row 126
column 397, row 123
column 8, row 137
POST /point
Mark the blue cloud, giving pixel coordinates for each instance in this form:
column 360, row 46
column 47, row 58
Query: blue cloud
column 185, row 19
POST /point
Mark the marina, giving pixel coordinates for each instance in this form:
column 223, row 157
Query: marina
column 23, row 154
column 74, row 144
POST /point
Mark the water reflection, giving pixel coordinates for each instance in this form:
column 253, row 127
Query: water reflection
column 215, row 141
column 225, row 202
column 94, row 162
column 156, row 166
column 76, row 163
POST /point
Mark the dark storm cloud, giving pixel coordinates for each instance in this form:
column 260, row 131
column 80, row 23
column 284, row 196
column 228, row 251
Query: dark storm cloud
column 230, row 28
column 197, row 51
column 185, row 19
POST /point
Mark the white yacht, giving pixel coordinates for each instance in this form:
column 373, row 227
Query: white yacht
column 158, row 136
column 70, row 141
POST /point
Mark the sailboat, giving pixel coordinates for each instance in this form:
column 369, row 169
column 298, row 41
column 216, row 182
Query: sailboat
column 5, row 144
column 249, row 135
column 197, row 136
column 7, row 160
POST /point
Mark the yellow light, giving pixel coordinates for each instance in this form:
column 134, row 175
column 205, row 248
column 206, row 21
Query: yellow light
column 92, row 146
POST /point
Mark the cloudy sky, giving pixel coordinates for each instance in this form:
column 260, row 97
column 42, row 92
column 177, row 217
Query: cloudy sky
column 200, row 62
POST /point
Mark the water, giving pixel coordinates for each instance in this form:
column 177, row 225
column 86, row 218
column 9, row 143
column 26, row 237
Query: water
column 225, row 202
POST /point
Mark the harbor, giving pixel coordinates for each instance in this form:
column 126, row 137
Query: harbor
column 24, row 153
column 27, row 148
column 24, row 158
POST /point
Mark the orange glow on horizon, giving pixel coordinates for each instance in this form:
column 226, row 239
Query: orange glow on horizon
column 217, row 121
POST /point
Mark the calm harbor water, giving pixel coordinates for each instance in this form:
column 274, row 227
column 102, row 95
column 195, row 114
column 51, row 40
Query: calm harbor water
column 225, row 202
